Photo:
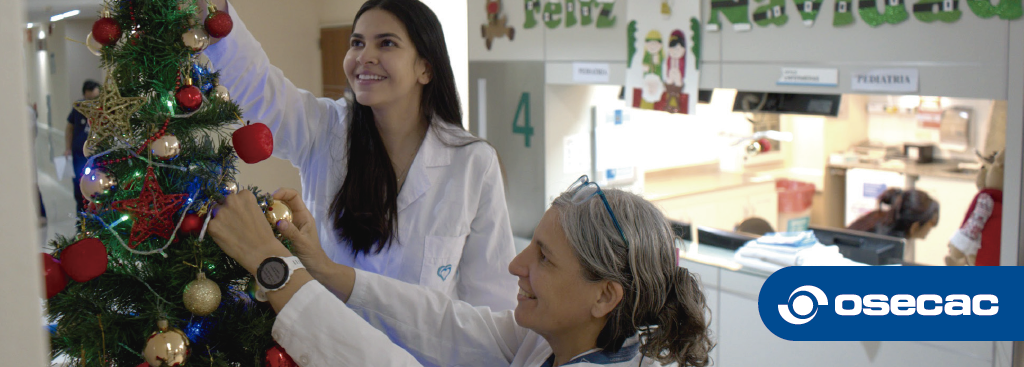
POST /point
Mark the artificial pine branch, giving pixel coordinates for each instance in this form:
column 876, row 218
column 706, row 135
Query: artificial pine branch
column 151, row 61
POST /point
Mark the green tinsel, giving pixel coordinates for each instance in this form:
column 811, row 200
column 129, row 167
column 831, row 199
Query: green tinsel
column 106, row 321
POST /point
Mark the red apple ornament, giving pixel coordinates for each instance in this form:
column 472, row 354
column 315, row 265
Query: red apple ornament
column 253, row 142
column 189, row 97
column 106, row 31
column 218, row 24
column 192, row 224
column 276, row 357
column 55, row 277
column 84, row 260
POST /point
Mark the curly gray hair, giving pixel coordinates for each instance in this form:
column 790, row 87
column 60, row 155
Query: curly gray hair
column 661, row 301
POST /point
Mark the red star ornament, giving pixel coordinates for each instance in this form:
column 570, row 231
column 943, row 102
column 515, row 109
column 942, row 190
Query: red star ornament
column 152, row 209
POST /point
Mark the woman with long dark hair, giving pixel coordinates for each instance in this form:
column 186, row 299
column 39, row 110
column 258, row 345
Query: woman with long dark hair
column 395, row 183
column 906, row 214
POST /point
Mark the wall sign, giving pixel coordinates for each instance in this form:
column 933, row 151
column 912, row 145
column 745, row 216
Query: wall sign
column 590, row 72
column 569, row 13
column 874, row 13
column 885, row 80
column 809, row 77
column 659, row 74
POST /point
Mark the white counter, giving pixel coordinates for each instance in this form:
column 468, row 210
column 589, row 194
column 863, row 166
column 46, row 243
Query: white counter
column 743, row 340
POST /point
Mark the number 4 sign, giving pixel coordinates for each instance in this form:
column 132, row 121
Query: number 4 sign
column 525, row 129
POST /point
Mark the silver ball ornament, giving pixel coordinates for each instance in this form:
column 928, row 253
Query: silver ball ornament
column 202, row 296
column 97, row 183
column 221, row 92
column 166, row 147
column 196, row 39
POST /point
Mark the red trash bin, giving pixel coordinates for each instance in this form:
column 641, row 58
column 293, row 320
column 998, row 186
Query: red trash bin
column 795, row 200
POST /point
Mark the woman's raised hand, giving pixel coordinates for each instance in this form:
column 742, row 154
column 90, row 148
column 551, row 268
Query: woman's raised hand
column 241, row 230
column 302, row 232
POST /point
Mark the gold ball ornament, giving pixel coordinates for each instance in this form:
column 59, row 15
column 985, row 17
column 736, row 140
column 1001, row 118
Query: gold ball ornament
column 89, row 148
column 166, row 347
column 228, row 188
column 166, row 147
column 93, row 45
column 202, row 296
column 97, row 183
column 278, row 210
column 221, row 92
column 196, row 38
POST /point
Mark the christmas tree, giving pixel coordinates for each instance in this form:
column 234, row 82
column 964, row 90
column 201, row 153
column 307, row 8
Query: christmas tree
column 146, row 284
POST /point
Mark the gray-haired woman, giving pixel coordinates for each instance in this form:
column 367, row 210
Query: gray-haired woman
column 599, row 285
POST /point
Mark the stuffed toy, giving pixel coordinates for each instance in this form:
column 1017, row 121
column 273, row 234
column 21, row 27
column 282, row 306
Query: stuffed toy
column 977, row 240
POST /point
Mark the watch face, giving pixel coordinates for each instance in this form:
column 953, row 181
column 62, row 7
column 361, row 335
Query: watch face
column 273, row 273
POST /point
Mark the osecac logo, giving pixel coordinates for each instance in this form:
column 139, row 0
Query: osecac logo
column 804, row 301
column 803, row 305
column 893, row 303
column 925, row 305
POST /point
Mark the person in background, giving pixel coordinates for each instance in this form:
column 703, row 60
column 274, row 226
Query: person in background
column 598, row 285
column 397, row 186
column 909, row 214
column 75, row 135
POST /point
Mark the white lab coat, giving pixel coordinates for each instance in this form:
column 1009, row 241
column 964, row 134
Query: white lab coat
column 429, row 328
column 454, row 233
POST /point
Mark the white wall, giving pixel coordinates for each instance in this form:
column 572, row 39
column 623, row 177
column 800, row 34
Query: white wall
column 337, row 12
column 290, row 34
column 21, row 340
column 81, row 64
column 453, row 14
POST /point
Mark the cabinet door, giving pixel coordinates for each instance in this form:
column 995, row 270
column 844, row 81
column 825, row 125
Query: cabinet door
column 743, row 340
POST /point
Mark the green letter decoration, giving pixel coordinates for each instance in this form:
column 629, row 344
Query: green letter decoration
column 532, row 8
column 570, row 13
column 553, row 13
column 605, row 18
column 844, row 13
column 586, row 12
column 1007, row 9
column 931, row 10
column 808, row 10
column 772, row 13
column 895, row 12
column 734, row 10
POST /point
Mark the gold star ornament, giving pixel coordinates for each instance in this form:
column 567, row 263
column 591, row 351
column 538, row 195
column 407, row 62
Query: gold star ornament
column 109, row 113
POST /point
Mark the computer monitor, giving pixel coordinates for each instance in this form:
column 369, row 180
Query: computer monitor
column 682, row 230
column 863, row 247
column 724, row 239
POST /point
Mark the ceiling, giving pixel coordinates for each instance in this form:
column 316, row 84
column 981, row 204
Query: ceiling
column 40, row 10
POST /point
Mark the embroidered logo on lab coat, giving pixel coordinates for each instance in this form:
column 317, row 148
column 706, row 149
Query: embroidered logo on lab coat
column 444, row 271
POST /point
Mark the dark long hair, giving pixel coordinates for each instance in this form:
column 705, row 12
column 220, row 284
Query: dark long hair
column 905, row 209
column 365, row 209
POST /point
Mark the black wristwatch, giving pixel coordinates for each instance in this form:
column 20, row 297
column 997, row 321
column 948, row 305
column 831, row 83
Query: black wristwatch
column 274, row 273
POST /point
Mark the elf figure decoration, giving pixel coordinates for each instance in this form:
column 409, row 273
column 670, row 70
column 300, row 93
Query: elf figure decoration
column 162, row 154
column 978, row 239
